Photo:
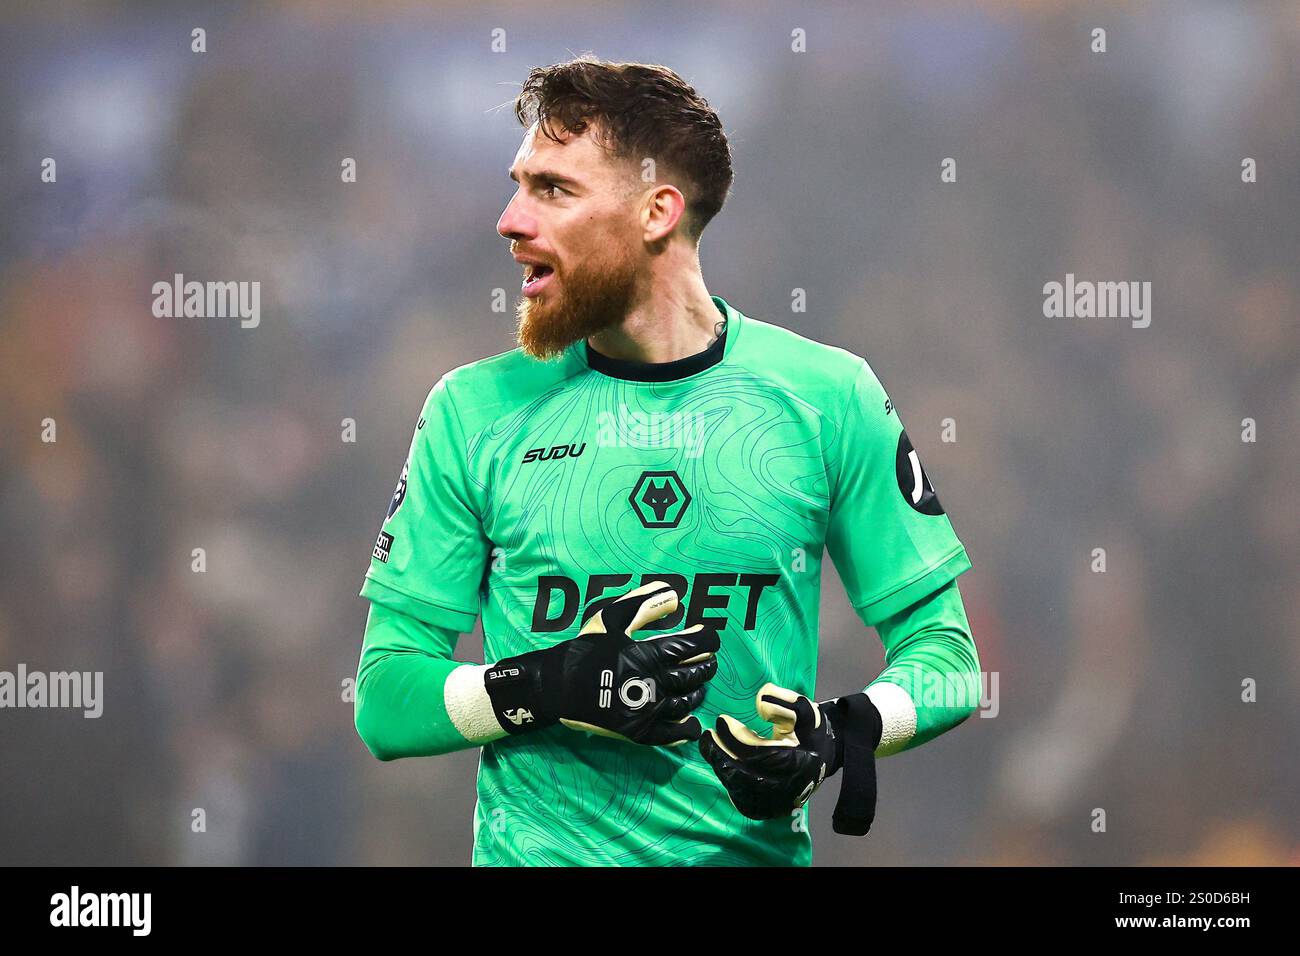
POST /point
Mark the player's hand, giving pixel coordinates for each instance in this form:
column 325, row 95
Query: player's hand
column 769, row 777
column 605, row 682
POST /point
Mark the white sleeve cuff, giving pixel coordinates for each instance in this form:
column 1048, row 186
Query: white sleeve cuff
column 469, row 706
column 897, row 716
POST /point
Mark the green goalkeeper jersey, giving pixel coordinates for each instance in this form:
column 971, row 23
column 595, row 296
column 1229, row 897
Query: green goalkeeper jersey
column 533, row 489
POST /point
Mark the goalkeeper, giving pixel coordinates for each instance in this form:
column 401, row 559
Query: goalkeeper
column 638, row 502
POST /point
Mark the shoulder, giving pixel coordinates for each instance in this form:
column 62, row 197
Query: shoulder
column 825, row 375
column 483, row 391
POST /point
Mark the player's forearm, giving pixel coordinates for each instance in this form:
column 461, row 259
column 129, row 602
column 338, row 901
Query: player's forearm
column 401, row 708
column 410, row 691
column 931, row 682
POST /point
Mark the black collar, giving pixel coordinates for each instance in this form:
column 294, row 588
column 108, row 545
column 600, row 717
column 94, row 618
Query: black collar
column 658, row 371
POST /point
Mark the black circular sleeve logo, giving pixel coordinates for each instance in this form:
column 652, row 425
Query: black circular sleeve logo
column 913, row 482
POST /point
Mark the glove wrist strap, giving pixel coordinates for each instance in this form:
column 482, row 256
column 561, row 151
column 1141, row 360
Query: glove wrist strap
column 514, row 685
column 858, row 727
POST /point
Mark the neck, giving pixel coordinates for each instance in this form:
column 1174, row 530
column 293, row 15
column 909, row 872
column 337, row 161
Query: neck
column 675, row 320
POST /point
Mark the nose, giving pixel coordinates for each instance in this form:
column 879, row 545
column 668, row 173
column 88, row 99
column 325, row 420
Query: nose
column 515, row 223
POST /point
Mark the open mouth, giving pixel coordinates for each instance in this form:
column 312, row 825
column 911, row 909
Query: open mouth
column 536, row 277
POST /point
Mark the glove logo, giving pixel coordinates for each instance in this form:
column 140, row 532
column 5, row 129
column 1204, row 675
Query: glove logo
column 519, row 716
column 606, row 689
column 659, row 499
column 913, row 482
column 636, row 692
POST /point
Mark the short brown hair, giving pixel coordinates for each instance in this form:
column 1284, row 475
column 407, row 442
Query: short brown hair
column 642, row 110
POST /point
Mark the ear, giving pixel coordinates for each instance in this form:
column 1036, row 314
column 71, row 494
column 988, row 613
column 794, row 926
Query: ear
column 662, row 209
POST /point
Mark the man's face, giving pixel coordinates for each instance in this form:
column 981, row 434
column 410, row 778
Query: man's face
column 575, row 216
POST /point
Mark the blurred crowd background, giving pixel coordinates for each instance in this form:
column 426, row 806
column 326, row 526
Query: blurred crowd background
column 225, row 690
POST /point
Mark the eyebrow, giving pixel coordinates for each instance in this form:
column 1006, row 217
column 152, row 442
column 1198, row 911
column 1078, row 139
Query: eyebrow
column 545, row 175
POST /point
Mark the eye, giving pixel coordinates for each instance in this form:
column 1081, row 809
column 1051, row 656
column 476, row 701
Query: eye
column 550, row 190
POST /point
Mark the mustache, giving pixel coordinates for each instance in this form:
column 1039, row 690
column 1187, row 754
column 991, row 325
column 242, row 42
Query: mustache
column 544, row 260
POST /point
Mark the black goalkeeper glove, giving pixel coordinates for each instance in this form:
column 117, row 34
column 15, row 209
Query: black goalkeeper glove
column 769, row 777
column 607, row 683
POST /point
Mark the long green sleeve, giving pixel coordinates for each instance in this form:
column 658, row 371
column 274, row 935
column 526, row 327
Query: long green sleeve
column 930, row 654
column 400, row 707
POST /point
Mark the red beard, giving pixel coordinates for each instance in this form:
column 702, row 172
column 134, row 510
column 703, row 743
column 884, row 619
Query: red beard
column 589, row 299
